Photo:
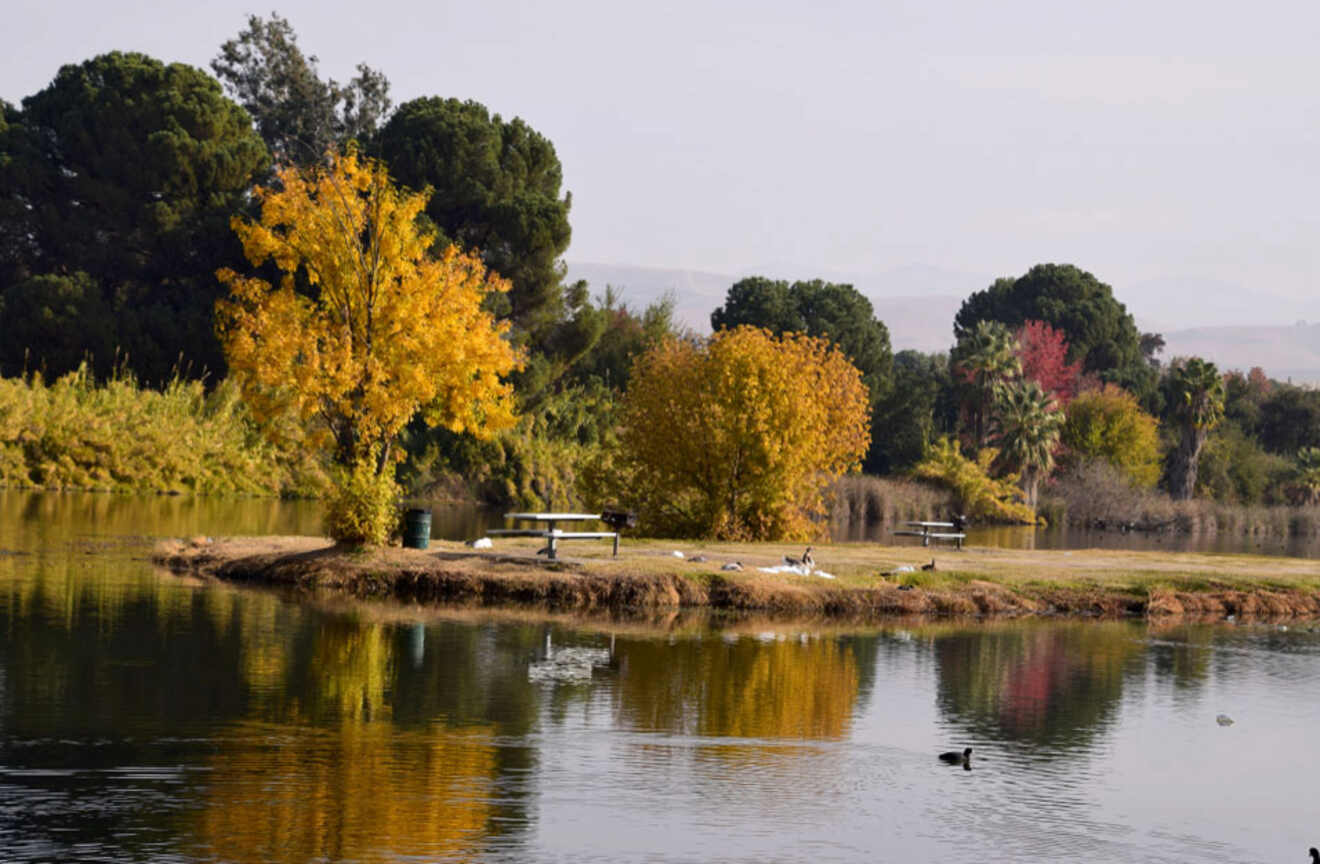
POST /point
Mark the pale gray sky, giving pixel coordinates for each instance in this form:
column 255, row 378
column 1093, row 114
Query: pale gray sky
column 1154, row 143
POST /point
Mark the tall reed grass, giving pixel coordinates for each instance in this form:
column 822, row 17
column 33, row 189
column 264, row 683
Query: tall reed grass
column 74, row 433
column 858, row 501
column 1096, row 495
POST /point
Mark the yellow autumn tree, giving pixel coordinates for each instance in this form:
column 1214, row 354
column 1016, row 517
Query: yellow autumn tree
column 365, row 329
column 738, row 437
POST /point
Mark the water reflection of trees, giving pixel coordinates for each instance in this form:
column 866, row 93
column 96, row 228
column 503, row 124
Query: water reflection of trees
column 331, row 735
column 1050, row 683
column 361, row 791
column 743, row 687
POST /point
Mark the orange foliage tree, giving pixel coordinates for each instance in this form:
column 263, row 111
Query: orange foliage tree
column 738, row 437
column 366, row 328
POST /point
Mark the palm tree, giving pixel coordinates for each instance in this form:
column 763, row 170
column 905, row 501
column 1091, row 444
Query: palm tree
column 1198, row 405
column 1308, row 474
column 988, row 360
column 1029, row 427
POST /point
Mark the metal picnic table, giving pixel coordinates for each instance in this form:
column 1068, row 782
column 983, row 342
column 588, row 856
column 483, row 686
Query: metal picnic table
column 925, row 530
column 553, row 534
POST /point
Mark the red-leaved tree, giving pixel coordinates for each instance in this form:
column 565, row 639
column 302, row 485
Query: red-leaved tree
column 1043, row 351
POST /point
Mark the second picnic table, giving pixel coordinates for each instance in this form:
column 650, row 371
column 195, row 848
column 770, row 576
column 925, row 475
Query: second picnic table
column 553, row 534
column 925, row 531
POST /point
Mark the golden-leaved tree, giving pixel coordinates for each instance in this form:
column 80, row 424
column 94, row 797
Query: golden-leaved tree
column 738, row 437
column 365, row 329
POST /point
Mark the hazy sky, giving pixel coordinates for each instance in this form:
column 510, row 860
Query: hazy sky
column 1141, row 140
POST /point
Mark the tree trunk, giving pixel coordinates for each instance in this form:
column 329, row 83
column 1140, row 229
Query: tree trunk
column 1182, row 472
column 1030, row 486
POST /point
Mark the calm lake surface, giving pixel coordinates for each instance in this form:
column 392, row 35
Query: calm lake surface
column 146, row 717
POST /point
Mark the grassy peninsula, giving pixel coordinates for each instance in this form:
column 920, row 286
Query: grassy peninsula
column 870, row 581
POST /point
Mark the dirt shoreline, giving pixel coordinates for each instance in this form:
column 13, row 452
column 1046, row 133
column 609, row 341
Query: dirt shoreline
column 872, row 582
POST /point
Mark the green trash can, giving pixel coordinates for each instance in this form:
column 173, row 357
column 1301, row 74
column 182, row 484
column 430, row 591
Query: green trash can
column 417, row 529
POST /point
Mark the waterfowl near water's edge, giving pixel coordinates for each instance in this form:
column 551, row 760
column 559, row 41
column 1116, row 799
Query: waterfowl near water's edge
column 953, row 757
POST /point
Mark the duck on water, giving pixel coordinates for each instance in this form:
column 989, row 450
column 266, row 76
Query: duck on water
column 953, row 757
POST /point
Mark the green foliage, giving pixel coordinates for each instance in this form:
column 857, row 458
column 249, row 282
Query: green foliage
column 1308, row 475
column 536, row 465
column 1108, row 424
column 985, row 361
column 1194, row 395
column 625, row 337
column 1100, row 331
column 1028, row 433
column 1234, row 469
column 566, row 428
column 122, row 174
column 817, row 308
column 980, row 495
column 59, row 321
column 917, row 409
column 1290, row 419
column 362, row 508
column 299, row 116
column 1243, row 397
column 75, row 434
column 496, row 188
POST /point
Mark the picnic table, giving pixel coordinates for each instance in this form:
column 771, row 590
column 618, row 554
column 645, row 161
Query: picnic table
column 552, row 534
column 929, row 531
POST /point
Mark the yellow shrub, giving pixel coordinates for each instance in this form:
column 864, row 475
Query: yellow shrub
column 981, row 495
column 363, row 507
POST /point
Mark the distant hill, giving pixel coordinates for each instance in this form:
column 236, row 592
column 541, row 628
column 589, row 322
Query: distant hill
column 1284, row 352
column 916, row 303
column 1160, row 304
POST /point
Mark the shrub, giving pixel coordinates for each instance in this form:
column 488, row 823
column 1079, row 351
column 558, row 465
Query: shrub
column 74, row 433
column 1098, row 495
column 363, row 506
column 980, row 495
column 1235, row 469
column 1109, row 424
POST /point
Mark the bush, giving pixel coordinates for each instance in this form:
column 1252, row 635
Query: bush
column 1235, row 469
column 118, row 436
column 1109, row 424
column 980, row 495
column 363, row 507
column 1098, row 495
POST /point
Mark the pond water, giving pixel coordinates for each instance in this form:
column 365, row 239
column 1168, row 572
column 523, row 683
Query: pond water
column 147, row 717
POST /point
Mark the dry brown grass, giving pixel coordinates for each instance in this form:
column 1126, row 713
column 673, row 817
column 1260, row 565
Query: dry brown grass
column 861, row 501
column 1096, row 495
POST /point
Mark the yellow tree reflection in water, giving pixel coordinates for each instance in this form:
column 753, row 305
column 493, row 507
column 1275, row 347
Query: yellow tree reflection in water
column 322, row 774
column 361, row 792
column 746, row 688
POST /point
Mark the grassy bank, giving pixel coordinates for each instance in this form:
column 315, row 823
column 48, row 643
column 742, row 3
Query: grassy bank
column 74, row 433
column 870, row 581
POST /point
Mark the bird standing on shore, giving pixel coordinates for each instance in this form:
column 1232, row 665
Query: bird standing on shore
column 805, row 561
